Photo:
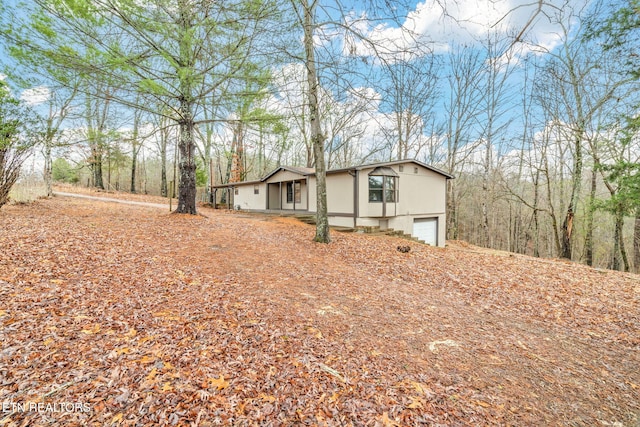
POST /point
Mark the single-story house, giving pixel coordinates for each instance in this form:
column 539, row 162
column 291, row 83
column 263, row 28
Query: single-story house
column 405, row 195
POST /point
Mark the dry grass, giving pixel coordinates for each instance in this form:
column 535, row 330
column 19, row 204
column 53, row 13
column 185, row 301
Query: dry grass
column 27, row 190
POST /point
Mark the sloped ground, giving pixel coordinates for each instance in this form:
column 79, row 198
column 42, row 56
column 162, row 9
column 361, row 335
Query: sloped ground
column 140, row 317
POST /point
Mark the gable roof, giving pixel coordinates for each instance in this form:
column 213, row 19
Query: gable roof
column 392, row 163
column 294, row 169
column 311, row 171
column 383, row 171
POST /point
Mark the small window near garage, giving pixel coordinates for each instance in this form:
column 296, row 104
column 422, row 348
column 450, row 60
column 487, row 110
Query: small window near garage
column 401, row 168
column 235, row 191
column 256, row 189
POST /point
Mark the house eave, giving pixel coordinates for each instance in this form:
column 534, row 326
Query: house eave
column 392, row 163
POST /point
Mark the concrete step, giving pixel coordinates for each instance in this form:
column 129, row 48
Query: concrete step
column 307, row 219
column 369, row 230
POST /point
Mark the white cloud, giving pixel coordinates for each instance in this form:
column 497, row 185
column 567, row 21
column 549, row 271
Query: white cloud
column 437, row 25
column 36, row 95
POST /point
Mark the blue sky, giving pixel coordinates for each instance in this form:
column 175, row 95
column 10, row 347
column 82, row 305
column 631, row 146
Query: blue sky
column 441, row 23
column 444, row 23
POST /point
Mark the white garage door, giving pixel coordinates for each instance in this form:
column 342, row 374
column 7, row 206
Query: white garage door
column 426, row 229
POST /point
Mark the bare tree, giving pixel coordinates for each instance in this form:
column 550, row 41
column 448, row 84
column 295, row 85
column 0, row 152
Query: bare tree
column 493, row 118
column 572, row 93
column 60, row 104
column 462, row 109
column 17, row 136
column 411, row 94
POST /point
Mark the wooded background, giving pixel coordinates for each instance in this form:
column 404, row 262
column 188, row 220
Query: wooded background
column 542, row 138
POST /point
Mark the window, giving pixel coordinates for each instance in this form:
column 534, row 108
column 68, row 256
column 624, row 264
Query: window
column 294, row 190
column 382, row 186
column 415, row 170
column 375, row 188
column 390, row 189
column 235, row 191
column 256, row 189
column 401, row 168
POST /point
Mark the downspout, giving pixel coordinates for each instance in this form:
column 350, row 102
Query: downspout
column 396, row 196
column 384, row 197
column 356, row 177
column 307, row 185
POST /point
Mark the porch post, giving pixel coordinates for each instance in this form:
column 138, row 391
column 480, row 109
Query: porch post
column 356, row 197
column 306, row 184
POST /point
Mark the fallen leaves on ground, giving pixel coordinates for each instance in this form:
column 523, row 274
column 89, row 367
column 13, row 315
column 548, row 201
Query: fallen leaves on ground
column 153, row 318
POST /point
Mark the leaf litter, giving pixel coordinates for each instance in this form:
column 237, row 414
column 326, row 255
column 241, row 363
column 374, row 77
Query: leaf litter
column 151, row 318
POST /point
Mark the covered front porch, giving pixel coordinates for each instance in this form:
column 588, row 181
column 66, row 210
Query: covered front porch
column 288, row 195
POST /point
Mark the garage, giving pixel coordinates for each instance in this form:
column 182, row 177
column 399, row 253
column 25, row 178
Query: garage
column 426, row 229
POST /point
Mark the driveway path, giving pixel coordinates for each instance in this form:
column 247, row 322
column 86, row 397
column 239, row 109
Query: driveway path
column 109, row 199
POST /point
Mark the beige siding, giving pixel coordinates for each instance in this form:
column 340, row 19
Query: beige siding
column 340, row 221
column 312, row 194
column 247, row 199
column 367, row 222
column 340, row 193
column 420, row 195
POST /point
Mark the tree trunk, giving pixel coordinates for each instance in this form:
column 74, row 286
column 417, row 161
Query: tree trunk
column 48, row 172
column 567, row 233
column 588, row 240
column 619, row 222
column 97, row 168
column 567, row 223
column 133, row 171
column 317, row 138
column 135, row 148
column 452, row 223
column 486, row 235
column 623, row 249
column 163, row 166
column 536, row 221
column 186, row 143
column 636, row 243
column 187, row 164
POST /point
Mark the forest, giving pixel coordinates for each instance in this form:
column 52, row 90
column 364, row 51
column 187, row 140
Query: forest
column 533, row 108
